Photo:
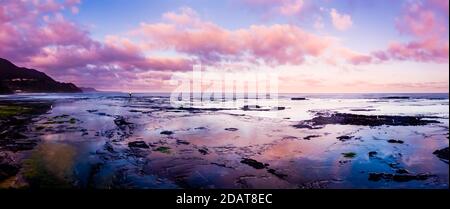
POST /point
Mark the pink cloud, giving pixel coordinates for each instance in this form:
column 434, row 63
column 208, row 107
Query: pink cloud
column 360, row 59
column 72, row 2
column 62, row 32
column 425, row 23
column 25, row 30
column 275, row 44
column 35, row 34
column 108, row 55
column 419, row 21
column 48, row 6
column 73, row 5
column 279, row 7
column 283, row 44
column 291, row 8
column 184, row 16
column 442, row 5
column 350, row 56
column 341, row 22
column 421, row 51
column 64, row 49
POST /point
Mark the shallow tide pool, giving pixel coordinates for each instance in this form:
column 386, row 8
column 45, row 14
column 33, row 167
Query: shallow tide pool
column 112, row 141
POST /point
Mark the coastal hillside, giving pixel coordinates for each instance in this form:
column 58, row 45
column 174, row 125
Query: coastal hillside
column 14, row 79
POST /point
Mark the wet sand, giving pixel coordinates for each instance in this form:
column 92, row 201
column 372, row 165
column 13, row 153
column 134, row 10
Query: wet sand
column 112, row 141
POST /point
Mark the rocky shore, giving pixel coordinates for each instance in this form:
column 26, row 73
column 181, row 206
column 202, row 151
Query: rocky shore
column 114, row 142
column 14, row 120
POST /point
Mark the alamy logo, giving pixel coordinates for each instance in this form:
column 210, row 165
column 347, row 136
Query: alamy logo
column 225, row 88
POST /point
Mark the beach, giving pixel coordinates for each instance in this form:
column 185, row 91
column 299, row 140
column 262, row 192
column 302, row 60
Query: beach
column 306, row 141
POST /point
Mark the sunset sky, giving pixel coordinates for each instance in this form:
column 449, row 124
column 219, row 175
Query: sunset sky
column 315, row 45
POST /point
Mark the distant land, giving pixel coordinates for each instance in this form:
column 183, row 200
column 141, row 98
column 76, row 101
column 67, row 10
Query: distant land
column 14, row 79
column 89, row 90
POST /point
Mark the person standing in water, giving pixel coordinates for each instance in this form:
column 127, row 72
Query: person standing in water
column 129, row 94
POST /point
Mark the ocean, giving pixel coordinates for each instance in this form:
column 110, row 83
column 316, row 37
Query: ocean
column 109, row 140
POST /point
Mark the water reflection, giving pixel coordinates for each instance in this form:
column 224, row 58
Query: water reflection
column 50, row 165
column 205, row 149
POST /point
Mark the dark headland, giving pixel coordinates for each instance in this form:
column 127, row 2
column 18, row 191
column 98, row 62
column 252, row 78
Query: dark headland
column 14, row 79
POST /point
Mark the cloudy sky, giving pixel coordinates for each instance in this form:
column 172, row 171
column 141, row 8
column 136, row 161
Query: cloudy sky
column 315, row 46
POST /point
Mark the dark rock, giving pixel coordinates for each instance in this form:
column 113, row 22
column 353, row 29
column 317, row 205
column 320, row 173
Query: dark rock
column 344, row 138
column 16, row 135
column 342, row 162
column 310, row 137
column 254, row 108
column 203, row 151
column 289, row 137
column 298, row 99
column 15, row 116
column 443, row 154
column 362, row 110
column 364, row 120
column 8, row 167
column 349, row 154
column 182, row 142
column 378, row 176
column 373, row 154
column 407, row 177
column 21, row 146
column 120, row 121
column 102, row 114
column 398, row 177
column 222, row 165
column 279, row 175
column 395, row 97
column 393, row 141
column 306, row 126
column 168, row 133
column 8, row 170
column 138, row 144
column 231, row 129
column 402, row 171
column 253, row 163
column 5, row 89
column 251, row 107
column 109, row 147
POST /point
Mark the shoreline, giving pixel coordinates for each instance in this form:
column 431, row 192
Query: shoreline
column 103, row 141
